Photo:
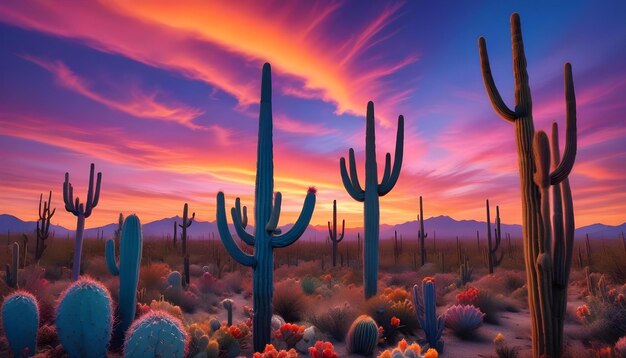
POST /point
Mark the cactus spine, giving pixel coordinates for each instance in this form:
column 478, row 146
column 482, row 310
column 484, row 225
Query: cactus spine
column 362, row 336
column 12, row 270
column 492, row 248
column 156, row 334
column 267, row 236
column 81, row 211
column 369, row 195
column 43, row 225
column 20, row 321
column 183, row 238
column 422, row 235
column 426, row 309
column 332, row 232
column 128, row 271
column 84, row 319
column 547, row 270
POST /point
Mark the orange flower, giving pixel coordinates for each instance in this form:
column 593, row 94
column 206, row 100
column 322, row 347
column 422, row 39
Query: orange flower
column 431, row 353
column 583, row 312
column 323, row 350
column 428, row 279
column 395, row 322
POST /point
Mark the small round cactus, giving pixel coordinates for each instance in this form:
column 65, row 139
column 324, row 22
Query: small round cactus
column 20, row 320
column 85, row 319
column 362, row 337
column 156, row 334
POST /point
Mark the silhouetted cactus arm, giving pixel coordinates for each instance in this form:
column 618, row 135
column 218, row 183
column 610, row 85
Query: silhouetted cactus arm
column 68, row 195
column 227, row 239
column 351, row 182
column 240, row 223
column 301, row 224
column 492, row 91
column 557, row 209
column 275, row 215
column 569, row 156
column 109, row 253
column 92, row 199
column 343, row 227
column 389, row 182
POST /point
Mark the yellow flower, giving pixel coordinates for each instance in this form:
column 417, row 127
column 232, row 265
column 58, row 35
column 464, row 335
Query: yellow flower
column 431, row 353
column 499, row 338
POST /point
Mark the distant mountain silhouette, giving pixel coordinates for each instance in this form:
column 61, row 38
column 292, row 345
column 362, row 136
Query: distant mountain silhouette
column 445, row 227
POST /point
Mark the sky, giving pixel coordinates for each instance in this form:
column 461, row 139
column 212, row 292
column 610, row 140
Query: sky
column 164, row 100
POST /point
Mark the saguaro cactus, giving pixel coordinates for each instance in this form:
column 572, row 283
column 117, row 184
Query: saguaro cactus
column 547, row 263
column 369, row 195
column 43, row 225
column 12, row 270
column 187, row 221
column 492, row 248
column 422, row 235
column 426, row 309
column 128, row 271
column 332, row 232
column 81, row 211
column 267, row 236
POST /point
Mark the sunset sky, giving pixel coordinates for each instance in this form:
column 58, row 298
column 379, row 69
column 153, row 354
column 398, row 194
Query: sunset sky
column 164, row 100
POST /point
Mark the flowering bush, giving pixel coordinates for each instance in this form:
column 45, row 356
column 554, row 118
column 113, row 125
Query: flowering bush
column 468, row 297
column 290, row 334
column 405, row 350
column 271, row 352
column 322, row 350
column 583, row 312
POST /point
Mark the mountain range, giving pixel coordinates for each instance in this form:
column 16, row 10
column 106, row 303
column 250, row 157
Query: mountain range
column 444, row 227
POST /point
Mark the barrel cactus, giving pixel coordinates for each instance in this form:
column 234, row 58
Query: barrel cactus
column 156, row 334
column 20, row 320
column 362, row 336
column 84, row 319
column 463, row 320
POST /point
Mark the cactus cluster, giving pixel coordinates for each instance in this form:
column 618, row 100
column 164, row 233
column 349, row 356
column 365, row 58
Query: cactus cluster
column 20, row 321
column 548, row 263
column 156, row 334
column 362, row 336
column 424, row 301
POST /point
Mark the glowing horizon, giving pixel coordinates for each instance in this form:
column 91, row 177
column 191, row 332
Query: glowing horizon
column 164, row 101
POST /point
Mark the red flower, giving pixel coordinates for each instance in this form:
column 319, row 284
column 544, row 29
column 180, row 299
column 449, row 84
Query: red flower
column 468, row 297
column 322, row 350
column 395, row 322
column 312, row 190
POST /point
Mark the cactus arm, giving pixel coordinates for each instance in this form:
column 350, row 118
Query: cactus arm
column 227, row 239
column 541, row 153
column 386, row 185
column 343, row 226
column 240, row 224
column 300, row 226
column 356, row 193
column 569, row 156
column 492, row 91
column 387, row 171
column 557, row 213
column 109, row 253
column 275, row 215
column 68, row 195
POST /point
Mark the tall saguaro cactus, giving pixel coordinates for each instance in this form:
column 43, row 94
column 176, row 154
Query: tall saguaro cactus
column 492, row 248
column 267, row 236
column 81, row 211
column 548, row 261
column 332, row 232
column 43, row 225
column 422, row 235
column 187, row 221
column 369, row 195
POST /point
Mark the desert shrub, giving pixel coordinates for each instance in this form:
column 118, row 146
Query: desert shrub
column 404, row 349
column 161, row 306
column 403, row 279
column 271, row 352
column 309, row 284
column 335, row 321
column 289, row 303
column 189, row 301
column 150, row 276
column 47, row 336
column 464, row 320
column 490, row 305
column 605, row 320
column 383, row 310
column 233, row 281
column 505, row 281
column 96, row 267
column 208, row 284
column 396, row 294
column 502, row 349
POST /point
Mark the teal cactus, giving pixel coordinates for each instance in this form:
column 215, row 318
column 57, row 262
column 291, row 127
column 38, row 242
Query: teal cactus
column 20, row 321
column 43, row 225
column 369, row 195
column 84, row 319
column 187, row 221
column 174, row 289
column 492, row 248
column 267, row 236
column 422, row 235
column 12, row 270
column 362, row 336
column 156, row 334
column 332, row 232
column 228, row 305
column 81, row 211
column 128, row 271
column 426, row 309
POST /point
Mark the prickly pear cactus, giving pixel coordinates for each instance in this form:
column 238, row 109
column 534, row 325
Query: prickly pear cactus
column 20, row 320
column 362, row 337
column 84, row 319
column 156, row 334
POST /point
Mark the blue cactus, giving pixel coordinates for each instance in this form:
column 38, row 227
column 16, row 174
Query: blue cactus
column 81, row 211
column 362, row 336
column 20, row 320
column 426, row 310
column 370, row 194
column 156, row 334
column 174, row 289
column 128, row 271
column 84, row 319
column 267, row 236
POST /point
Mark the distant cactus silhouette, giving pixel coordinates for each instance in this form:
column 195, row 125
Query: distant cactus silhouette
column 12, row 271
column 422, row 235
column 187, row 221
column 20, row 321
column 267, row 236
column 128, row 271
column 43, row 225
column 492, row 247
column 369, row 195
column 81, row 211
column 547, row 269
column 332, row 232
